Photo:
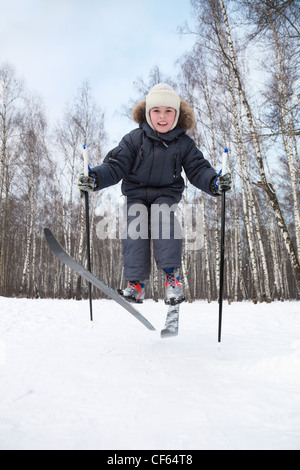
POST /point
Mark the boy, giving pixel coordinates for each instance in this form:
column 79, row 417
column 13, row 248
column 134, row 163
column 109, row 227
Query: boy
column 150, row 160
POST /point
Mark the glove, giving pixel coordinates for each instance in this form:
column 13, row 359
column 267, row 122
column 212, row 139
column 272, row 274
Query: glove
column 221, row 184
column 87, row 183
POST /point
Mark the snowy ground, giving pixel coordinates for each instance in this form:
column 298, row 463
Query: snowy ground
column 70, row 384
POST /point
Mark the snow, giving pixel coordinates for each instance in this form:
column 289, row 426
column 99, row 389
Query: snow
column 67, row 383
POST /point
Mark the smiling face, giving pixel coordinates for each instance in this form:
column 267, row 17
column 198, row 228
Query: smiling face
column 162, row 118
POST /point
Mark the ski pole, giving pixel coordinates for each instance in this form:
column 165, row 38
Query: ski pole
column 87, row 224
column 223, row 212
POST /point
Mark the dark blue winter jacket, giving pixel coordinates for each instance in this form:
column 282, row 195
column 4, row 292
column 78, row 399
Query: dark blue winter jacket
column 146, row 159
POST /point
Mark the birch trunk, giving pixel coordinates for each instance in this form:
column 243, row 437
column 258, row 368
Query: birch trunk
column 3, row 264
column 24, row 287
column 207, row 258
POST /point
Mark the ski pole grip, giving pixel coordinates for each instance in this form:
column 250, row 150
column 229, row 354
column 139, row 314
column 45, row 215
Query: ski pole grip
column 85, row 161
column 224, row 161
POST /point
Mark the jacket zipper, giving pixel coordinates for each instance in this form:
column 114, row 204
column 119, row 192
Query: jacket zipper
column 175, row 165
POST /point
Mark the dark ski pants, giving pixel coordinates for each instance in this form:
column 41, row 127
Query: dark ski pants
column 154, row 221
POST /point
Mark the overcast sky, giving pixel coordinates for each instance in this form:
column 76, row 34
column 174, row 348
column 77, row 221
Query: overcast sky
column 57, row 44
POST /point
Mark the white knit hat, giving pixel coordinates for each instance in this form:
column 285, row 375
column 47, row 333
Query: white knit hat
column 162, row 95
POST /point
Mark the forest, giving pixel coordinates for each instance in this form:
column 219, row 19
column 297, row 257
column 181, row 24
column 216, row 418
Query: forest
column 242, row 80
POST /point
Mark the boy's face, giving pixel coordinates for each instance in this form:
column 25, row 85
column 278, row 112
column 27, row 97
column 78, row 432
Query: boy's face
column 162, row 118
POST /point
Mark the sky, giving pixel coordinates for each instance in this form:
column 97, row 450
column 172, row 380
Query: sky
column 57, row 45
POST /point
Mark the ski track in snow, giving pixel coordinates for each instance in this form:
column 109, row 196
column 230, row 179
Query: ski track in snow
column 67, row 383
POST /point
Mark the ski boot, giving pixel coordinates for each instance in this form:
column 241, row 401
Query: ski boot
column 134, row 292
column 174, row 291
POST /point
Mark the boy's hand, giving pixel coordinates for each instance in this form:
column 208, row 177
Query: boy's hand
column 87, row 183
column 221, row 184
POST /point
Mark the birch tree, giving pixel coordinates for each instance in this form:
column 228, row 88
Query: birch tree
column 11, row 89
column 32, row 152
column 286, row 103
column 219, row 19
column 264, row 184
column 83, row 124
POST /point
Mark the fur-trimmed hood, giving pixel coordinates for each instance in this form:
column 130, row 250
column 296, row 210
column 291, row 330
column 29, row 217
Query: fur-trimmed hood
column 186, row 118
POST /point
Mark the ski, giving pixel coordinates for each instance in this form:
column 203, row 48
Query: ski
column 172, row 322
column 66, row 259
